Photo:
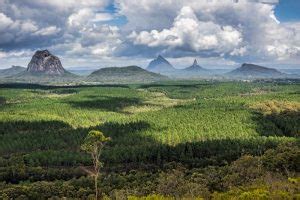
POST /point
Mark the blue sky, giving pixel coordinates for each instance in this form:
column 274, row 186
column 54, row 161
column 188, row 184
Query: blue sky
column 288, row 10
column 102, row 33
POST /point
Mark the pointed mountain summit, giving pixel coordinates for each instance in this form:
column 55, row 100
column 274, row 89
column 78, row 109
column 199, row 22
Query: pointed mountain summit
column 195, row 67
column 195, row 62
column 160, row 65
column 44, row 63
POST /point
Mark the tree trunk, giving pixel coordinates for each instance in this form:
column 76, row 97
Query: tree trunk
column 96, row 186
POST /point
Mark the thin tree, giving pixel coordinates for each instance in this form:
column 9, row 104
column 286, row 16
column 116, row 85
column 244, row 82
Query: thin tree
column 93, row 144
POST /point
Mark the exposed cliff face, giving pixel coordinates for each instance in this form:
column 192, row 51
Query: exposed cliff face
column 44, row 62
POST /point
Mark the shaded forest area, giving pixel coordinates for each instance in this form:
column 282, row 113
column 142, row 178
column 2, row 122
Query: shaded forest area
column 227, row 140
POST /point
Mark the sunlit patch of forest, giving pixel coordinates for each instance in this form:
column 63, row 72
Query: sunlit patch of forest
column 194, row 139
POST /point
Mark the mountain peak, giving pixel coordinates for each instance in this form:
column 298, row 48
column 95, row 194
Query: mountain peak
column 253, row 70
column 160, row 57
column 195, row 67
column 160, row 64
column 195, row 62
column 128, row 74
column 46, row 52
column 46, row 63
column 249, row 66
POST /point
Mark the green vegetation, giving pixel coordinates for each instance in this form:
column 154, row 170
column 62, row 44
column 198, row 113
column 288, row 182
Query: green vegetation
column 201, row 139
column 14, row 70
column 93, row 144
column 109, row 75
column 129, row 74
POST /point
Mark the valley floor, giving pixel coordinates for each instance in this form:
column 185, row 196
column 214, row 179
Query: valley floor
column 196, row 139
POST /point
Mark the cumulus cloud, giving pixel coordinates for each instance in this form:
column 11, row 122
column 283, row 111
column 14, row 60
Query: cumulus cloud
column 15, row 30
column 226, row 28
column 188, row 32
column 65, row 5
column 5, row 22
column 15, row 54
column 80, row 18
column 68, row 28
column 233, row 30
column 51, row 30
column 102, row 17
column 27, row 23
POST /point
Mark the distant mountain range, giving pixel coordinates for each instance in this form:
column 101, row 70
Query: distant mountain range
column 291, row 71
column 14, row 70
column 45, row 67
column 81, row 72
column 162, row 66
column 129, row 74
column 255, row 71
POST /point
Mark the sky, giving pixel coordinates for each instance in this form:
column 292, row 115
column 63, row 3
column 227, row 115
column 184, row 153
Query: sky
column 91, row 34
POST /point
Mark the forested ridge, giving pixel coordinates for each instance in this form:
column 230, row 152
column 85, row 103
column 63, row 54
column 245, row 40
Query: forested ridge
column 197, row 139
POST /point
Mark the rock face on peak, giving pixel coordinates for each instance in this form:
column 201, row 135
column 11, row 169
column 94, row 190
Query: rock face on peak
column 195, row 67
column 160, row 65
column 43, row 62
column 255, row 71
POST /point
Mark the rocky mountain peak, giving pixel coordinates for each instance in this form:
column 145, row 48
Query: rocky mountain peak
column 159, row 57
column 195, row 62
column 45, row 63
column 195, row 67
column 160, row 64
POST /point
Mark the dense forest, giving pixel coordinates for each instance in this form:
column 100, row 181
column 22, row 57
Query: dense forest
column 170, row 140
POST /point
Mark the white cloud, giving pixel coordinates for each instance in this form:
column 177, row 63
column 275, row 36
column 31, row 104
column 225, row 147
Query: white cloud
column 2, row 54
column 187, row 31
column 87, row 16
column 51, row 30
column 96, row 40
column 64, row 4
column 100, row 17
column 15, row 30
column 80, row 18
column 15, row 54
column 208, row 29
column 27, row 26
column 5, row 22
column 247, row 28
column 70, row 26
